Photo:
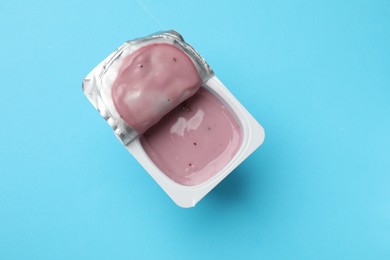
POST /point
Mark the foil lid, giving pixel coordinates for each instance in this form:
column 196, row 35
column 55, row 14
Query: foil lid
column 97, row 85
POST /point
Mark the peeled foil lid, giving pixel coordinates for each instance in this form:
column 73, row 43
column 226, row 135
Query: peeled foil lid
column 97, row 85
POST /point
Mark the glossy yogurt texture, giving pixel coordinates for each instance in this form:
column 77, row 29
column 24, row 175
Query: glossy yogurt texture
column 151, row 82
column 194, row 141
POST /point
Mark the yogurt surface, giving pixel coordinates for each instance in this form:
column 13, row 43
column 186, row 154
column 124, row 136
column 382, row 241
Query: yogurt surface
column 195, row 140
column 151, row 82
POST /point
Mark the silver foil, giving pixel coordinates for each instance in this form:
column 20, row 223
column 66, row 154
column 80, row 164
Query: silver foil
column 97, row 84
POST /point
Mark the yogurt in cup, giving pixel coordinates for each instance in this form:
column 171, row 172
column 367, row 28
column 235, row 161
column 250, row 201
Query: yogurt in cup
column 172, row 113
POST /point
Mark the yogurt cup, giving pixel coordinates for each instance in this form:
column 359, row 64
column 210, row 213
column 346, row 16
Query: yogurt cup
column 173, row 114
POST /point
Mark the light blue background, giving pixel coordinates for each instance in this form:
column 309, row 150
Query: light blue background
column 315, row 74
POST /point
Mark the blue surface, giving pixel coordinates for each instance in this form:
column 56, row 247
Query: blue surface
column 315, row 74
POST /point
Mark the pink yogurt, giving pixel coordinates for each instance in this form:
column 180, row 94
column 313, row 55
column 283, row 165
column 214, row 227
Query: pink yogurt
column 151, row 82
column 195, row 141
column 189, row 137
